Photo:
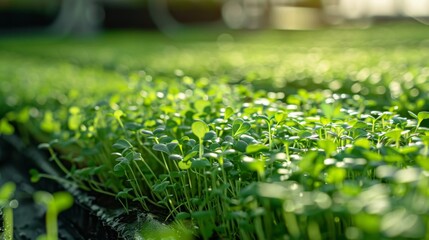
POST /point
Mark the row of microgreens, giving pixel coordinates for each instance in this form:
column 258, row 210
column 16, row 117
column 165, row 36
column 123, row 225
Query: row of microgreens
column 386, row 66
column 54, row 203
column 295, row 150
column 31, row 82
column 245, row 164
column 90, row 133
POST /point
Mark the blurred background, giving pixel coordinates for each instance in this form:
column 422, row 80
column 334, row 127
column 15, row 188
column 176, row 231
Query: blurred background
column 88, row 17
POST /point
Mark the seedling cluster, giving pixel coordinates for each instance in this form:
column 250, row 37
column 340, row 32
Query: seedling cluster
column 224, row 159
column 54, row 204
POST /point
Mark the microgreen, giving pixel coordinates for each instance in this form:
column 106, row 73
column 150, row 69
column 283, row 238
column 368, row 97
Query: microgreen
column 228, row 113
column 248, row 143
column 6, row 128
column 420, row 117
column 239, row 126
column 200, row 128
column 55, row 204
column 7, row 204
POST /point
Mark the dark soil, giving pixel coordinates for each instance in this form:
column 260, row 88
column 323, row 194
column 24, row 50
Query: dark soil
column 79, row 222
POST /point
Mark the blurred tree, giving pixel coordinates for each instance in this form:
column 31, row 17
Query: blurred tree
column 81, row 17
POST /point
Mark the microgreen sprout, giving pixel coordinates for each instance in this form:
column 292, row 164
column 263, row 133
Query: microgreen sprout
column 248, row 143
column 7, row 204
column 200, row 128
column 54, row 203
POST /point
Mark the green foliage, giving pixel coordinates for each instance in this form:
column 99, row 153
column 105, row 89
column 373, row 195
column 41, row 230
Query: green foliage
column 55, row 204
column 328, row 146
column 256, row 148
column 6, row 192
column 239, row 126
column 199, row 128
column 229, row 143
column 6, row 128
column 228, row 113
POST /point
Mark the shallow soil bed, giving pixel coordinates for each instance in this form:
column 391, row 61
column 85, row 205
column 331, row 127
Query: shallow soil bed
column 87, row 219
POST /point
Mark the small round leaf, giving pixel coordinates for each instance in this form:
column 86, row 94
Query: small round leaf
column 200, row 128
column 185, row 165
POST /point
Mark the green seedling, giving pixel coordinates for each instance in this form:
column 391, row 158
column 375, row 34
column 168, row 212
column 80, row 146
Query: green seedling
column 420, row 117
column 268, row 159
column 6, row 128
column 55, row 204
column 228, row 113
column 7, row 204
column 328, row 146
column 200, row 128
column 239, row 126
column 74, row 120
column 394, row 135
column 49, row 124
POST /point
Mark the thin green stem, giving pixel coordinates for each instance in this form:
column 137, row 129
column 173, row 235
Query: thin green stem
column 51, row 223
column 270, row 136
column 201, row 150
column 8, row 223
